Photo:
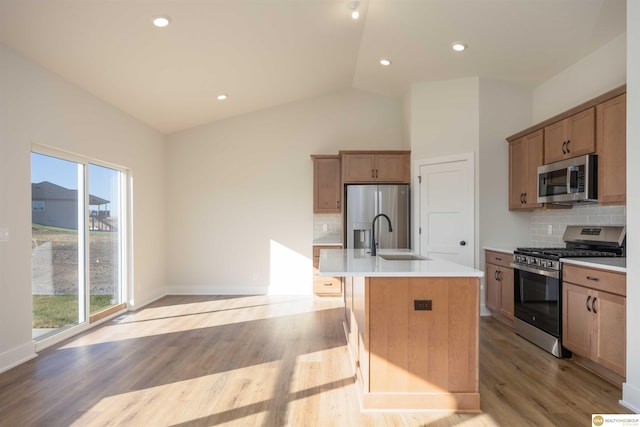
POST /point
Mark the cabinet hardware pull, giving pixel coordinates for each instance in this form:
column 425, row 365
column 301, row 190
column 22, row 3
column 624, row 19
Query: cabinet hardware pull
column 564, row 144
column 588, row 307
column 499, row 276
column 498, row 259
column 525, row 198
column 327, row 284
column 376, row 173
column 568, row 150
column 595, row 279
column 373, row 173
column 593, row 305
column 338, row 204
column 495, row 275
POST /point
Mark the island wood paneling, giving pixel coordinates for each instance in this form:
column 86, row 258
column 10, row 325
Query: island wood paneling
column 423, row 351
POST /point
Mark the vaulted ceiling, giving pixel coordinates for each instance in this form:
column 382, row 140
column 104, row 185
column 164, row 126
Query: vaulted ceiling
column 264, row 53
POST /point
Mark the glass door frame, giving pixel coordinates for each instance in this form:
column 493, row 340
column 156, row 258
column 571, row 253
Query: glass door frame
column 83, row 227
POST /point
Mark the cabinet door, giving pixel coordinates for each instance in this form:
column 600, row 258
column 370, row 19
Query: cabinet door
column 581, row 131
column 554, row 142
column 506, row 291
column 392, row 168
column 534, row 144
column 517, row 157
column 326, row 185
column 577, row 319
column 493, row 294
column 571, row 137
column 609, row 348
column 358, row 168
column 611, row 142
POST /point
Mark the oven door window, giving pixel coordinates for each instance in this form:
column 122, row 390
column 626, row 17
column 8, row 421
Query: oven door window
column 537, row 301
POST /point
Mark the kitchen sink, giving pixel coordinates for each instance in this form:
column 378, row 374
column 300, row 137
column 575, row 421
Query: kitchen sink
column 403, row 257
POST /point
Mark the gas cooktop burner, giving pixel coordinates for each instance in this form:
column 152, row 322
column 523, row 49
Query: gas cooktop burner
column 563, row 252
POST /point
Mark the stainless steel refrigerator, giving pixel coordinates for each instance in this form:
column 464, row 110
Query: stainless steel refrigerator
column 364, row 202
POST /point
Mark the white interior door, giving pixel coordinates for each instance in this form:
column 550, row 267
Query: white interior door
column 446, row 208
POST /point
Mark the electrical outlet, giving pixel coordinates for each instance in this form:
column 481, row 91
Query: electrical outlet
column 325, row 227
column 550, row 229
column 4, row 235
column 422, row 304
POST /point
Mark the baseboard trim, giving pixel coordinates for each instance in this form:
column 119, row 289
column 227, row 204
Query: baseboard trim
column 17, row 356
column 631, row 397
column 217, row 290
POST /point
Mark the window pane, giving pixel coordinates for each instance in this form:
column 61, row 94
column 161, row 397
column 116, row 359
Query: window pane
column 105, row 238
column 57, row 251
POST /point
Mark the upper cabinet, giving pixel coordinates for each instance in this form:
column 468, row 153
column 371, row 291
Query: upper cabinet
column 595, row 126
column 326, row 184
column 366, row 167
column 525, row 155
column 570, row 137
column 611, row 144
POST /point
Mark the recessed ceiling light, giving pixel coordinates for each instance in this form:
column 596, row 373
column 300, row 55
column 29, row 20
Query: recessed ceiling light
column 458, row 47
column 161, row 21
column 385, row 62
column 353, row 5
column 222, row 97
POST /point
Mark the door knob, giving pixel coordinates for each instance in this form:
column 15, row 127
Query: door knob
column 463, row 243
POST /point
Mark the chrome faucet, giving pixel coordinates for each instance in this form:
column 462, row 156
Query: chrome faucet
column 373, row 232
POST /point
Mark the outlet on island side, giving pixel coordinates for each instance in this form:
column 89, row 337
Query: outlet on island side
column 422, row 304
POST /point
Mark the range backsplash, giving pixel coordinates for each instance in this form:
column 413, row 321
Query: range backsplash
column 558, row 219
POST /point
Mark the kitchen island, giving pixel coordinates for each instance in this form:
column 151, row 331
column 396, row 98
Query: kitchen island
column 412, row 329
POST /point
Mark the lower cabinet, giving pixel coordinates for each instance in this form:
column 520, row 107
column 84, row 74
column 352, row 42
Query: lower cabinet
column 325, row 286
column 594, row 316
column 499, row 285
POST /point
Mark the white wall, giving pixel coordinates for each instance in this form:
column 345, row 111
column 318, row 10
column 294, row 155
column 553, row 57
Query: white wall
column 631, row 389
column 240, row 190
column 475, row 115
column 595, row 74
column 505, row 109
column 444, row 118
column 37, row 106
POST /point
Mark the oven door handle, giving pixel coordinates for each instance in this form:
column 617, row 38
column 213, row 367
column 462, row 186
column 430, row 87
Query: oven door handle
column 553, row 274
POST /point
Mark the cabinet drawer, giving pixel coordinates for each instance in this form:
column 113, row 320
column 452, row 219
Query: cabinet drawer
column 327, row 285
column 602, row 280
column 498, row 258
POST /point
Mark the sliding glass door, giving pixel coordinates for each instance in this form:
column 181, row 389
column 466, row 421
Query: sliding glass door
column 105, row 238
column 77, row 242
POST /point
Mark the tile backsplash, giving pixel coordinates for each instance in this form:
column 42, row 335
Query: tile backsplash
column 327, row 227
column 556, row 220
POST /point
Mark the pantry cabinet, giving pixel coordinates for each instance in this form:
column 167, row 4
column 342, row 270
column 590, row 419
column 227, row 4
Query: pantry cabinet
column 571, row 137
column 327, row 194
column 499, row 296
column 611, row 144
column 367, row 167
column 594, row 316
column 525, row 155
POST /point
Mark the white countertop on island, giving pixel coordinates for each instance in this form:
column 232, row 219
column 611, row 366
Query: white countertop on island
column 357, row 262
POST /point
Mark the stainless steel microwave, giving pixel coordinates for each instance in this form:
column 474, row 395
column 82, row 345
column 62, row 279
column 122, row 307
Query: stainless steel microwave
column 569, row 181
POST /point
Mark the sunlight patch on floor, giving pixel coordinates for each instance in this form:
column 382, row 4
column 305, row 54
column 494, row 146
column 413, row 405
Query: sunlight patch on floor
column 154, row 321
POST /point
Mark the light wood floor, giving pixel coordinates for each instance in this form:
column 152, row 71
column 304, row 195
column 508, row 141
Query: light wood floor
column 268, row 361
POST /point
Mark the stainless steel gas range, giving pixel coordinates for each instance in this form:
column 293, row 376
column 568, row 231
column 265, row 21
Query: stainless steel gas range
column 538, row 281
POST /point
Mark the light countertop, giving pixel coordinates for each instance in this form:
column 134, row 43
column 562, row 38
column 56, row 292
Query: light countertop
column 327, row 241
column 506, row 250
column 356, row 262
column 611, row 264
